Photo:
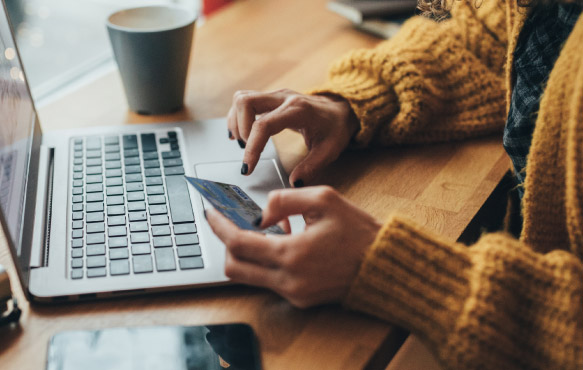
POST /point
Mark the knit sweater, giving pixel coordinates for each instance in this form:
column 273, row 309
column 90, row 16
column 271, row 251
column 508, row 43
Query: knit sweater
column 501, row 303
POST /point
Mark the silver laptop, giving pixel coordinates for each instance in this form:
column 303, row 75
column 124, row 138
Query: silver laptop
column 106, row 211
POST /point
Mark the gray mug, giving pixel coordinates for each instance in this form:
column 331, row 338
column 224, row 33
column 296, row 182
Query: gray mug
column 151, row 45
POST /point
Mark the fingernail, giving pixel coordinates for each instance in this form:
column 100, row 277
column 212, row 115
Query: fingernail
column 204, row 212
column 299, row 183
column 230, row 134
column 241, row 143
column 244, row 169
column 258, row 221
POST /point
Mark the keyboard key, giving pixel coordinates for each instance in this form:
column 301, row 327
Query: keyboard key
column 138, row 226
column 77, row 224
column 156, row 199
column 111, row 140
column 94, row 170
column 179, row 200
column 142, row 264
column 115, row 200
column 77, row 263
column 134, row 177
column 112, row 148
column 171, row 154
column 152, row 163
column 185, row 229
column 133, row 169
column 119, row 267
column 150, row 155
column 77, row 191
column 130, row 142
column 93, row 154
column 95, row 238
column 112, row 164
column 159, row 220
column 131, row 161
column 172, row 134
column 137, row 216
column 154, row 181
column 136, row 206
column 113, row 173
column 172, row 162
column 158, row 209
column 162, row 241
column 77, row 274
column 131, row 153
column 186, row 239
column 77, row 216
column 96, row 261
column 96, row 227
column 112, row 156
column 96, row 272
column 140, row 238
column 150, row 172
column 78, row 207
column 135, row 196
column 77, row 253
column 76, row 234
column 95, row 217
column 93, row 162
column 160, row 230
column 189, row 251
column 116, row 220
column 118, row 254
column 143, row 248
column 78, row 161
column 94, row 179
column 134, row 186
column 114, row 181
column 77, row 176
column 78, row 155
column 96, row 250
column 114, row 190
column 77, row 198
column 171, row 171
column 116, row 210
column 95, row 207
column 155, row 190
column 77, row 183
column 165, row 259
column 93, row 143
column 190, row 263
column 149, row 143
column 94, row 188
column 116, row 231
column 164, row 140
column 77, row 243
column 95, row 197
column 118, row 242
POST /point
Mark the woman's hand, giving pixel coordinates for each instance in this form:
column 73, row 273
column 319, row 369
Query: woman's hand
column 327, row 124
column 313, row 267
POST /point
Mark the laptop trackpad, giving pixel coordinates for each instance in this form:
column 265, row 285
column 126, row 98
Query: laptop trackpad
column 265, row 177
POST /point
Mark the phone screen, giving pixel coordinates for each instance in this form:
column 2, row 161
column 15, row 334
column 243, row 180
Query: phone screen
column 230, row 346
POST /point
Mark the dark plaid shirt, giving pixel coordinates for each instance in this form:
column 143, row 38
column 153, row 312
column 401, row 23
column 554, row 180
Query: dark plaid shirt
column 540, row 41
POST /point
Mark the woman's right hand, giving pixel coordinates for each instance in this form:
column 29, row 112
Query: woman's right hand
column 327, row 124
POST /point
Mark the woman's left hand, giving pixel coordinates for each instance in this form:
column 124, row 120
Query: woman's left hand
column 313, row 267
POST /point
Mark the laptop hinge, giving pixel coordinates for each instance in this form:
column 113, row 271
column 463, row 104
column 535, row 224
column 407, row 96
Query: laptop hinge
column 42, row 218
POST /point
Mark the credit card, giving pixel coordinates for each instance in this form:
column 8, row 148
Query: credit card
column 233, row 203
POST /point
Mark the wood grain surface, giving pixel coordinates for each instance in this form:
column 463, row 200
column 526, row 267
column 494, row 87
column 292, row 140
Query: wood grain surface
column 264, row 45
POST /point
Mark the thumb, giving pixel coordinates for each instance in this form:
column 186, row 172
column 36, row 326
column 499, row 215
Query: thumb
column 289, row 202
column 318, row 157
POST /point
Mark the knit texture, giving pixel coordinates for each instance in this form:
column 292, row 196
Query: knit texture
column 501, row 303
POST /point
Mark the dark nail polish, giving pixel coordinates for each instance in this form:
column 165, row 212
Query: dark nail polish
column 257, row 222
column 244, row 169
column 230, row 134
column 241, row 143
column 299, row 183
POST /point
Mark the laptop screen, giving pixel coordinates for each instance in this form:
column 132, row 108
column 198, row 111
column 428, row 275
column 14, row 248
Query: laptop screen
column 17, row 118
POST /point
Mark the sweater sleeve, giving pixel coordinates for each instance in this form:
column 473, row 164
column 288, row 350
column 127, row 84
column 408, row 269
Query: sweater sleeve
column 494, row 305
column 433, row 81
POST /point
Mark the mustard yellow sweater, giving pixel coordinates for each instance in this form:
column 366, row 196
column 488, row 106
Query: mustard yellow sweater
column 501, row 303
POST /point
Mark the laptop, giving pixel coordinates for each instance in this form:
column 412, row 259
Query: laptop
column 106, row 211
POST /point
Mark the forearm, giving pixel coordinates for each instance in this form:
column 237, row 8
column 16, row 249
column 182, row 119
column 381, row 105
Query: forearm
column 494, row 305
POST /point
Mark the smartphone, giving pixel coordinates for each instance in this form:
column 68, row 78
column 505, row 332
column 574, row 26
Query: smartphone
column 227, row 346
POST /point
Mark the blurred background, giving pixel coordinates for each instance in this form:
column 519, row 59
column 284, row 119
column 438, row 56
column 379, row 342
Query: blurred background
column 64, row 41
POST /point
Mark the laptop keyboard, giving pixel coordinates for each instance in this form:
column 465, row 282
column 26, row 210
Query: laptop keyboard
column 131, row 210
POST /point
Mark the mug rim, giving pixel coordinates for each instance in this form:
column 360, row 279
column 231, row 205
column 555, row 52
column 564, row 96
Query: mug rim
column 190, row 19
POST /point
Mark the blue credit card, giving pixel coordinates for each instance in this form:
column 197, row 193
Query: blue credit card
column 233, row 203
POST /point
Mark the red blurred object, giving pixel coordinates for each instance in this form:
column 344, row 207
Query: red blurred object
column 209, row 6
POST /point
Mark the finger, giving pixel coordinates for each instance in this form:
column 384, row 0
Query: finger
column 317, row 158
column 285, row 225
column 310, row 201
column 232, row 124
column 244, row 244
column 244, row 272
column 250, row 103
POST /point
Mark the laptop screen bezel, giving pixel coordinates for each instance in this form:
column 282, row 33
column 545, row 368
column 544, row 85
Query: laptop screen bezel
column 22, row 261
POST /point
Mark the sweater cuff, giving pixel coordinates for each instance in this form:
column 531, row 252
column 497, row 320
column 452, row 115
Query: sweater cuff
column 412, row 279
column 370, row 99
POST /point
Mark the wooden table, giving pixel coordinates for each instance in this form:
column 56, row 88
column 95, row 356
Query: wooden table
column 268, row 44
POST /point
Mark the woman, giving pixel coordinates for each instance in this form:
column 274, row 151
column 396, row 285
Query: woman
column 501, row 303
